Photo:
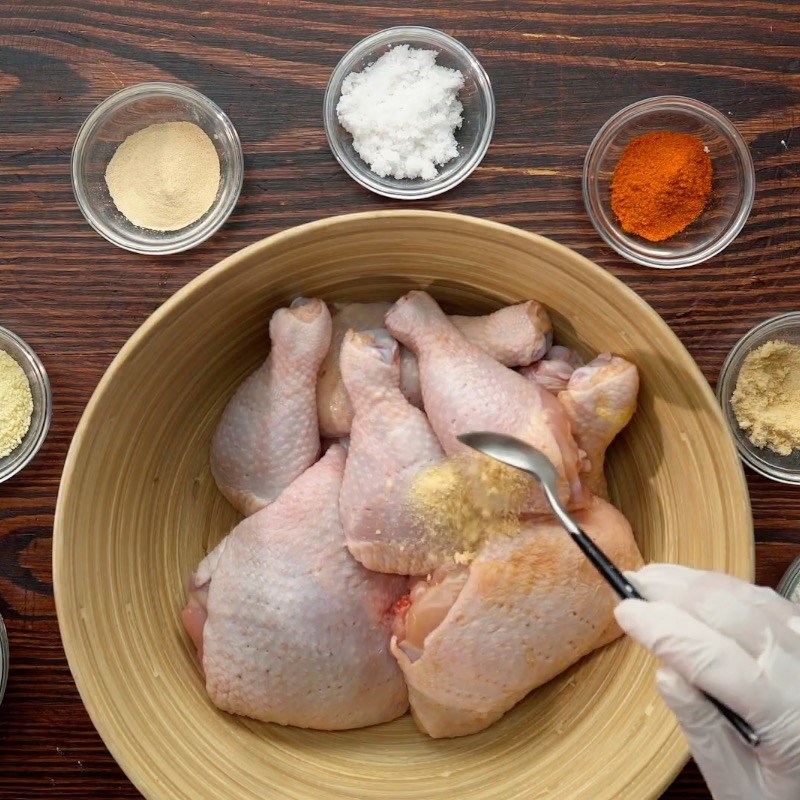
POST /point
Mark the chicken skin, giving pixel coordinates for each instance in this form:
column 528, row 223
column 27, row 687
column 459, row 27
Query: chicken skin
column 268, row 433
column 473, row 641
column 288, row 626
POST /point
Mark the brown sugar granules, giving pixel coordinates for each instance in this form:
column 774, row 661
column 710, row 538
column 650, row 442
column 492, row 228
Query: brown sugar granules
column 766, row 400
column 661, row 184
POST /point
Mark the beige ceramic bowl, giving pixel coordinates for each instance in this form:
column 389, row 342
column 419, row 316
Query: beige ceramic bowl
column 138, row 509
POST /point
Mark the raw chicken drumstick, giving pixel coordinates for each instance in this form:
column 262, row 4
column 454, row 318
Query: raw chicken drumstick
column 515, row 335
column 554, row 370
column 465, row 389
column 288, row 626
column 268, row 433
column 333, row 405
column 600, row 399
column 391, row 442
column 473, row 641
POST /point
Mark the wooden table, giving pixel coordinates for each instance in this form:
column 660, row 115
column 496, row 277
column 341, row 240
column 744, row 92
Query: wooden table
column 560, row 69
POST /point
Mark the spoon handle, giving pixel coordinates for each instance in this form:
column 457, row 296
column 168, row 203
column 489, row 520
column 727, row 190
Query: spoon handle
column 605, row 566
column 623, row 587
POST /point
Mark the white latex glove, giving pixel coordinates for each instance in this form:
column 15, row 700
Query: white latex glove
column 741, row 644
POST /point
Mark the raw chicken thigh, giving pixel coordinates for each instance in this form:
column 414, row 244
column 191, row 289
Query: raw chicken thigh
column 268, row 434
column 514, row 335
column 289, row 627
column 391, row 442
column 473, row 641
column 465, row 389
column 600, row 399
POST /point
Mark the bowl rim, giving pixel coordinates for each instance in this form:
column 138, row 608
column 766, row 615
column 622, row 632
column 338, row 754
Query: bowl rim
column 179, row 241
column 357, row 169
column 735, row 356
column 682, row 104
column 207, row 281
column 27, row 455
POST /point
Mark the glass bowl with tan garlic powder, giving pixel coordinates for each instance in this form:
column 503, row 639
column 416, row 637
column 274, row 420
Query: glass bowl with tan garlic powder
column 157, row 168
column 25, row 404
column 759, row 390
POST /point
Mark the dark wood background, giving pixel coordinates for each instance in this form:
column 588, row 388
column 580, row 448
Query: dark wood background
column 559, row 70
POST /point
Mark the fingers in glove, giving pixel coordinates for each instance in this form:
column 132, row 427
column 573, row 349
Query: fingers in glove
column 677, row 578
column 756, row 617
column 701, row 655
column 726, row 763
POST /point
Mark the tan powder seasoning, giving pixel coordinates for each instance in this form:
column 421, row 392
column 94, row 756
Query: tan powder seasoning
column 466, row 498
column 766, row 401
column 16, row 404
column 164, row 177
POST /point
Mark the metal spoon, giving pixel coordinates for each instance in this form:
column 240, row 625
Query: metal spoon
column 521, row 455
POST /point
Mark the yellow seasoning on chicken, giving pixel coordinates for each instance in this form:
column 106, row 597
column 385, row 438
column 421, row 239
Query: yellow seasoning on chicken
column 469, row 497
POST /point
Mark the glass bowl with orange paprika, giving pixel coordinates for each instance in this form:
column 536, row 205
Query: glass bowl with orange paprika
column 668, row 182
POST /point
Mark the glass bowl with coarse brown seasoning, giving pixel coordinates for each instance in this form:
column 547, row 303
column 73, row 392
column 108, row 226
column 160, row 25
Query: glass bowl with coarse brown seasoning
column 668, row 182
column 25, row 404
column 759, row 391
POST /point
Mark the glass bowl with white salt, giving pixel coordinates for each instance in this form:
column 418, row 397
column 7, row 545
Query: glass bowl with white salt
column 409, row 112
column 157, row 168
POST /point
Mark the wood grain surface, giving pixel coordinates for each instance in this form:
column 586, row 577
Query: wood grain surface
column 559, row 70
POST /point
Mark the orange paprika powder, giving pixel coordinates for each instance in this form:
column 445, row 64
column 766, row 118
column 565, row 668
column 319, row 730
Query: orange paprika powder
column 661, row 184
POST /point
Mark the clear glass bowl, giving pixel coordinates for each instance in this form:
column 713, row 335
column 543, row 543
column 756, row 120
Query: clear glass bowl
column 733, row 181
column 126, row 112
column 42, row 404
column 784, row 469
column 473, row 136
column 4, row 656
column 789, row 586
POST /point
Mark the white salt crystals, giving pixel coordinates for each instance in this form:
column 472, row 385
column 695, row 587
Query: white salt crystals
column 402, row 112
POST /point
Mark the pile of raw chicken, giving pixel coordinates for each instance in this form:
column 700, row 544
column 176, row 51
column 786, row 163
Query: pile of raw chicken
column 331, row 605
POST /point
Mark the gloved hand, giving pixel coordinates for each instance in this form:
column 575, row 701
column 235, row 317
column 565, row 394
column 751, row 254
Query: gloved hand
column 741, row 644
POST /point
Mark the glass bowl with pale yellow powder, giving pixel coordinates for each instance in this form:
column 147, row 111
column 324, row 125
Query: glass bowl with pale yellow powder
column 759, row 391
column 157, row 168
column 25, row 404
